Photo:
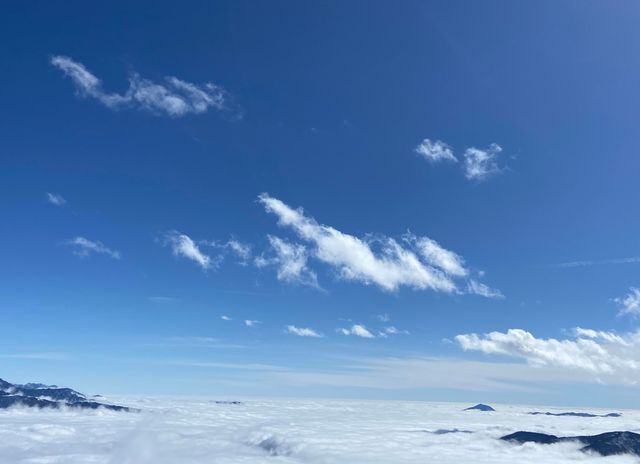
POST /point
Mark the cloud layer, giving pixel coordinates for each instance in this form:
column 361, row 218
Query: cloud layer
column 178, row 430
column 173, row 97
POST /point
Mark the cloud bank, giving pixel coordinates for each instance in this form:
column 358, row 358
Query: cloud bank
column 607, row 356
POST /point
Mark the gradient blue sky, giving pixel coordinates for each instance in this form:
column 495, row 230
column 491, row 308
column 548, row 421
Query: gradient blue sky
column 324, row 104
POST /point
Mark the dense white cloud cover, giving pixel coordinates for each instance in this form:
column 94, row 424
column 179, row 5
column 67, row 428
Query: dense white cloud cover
column 606, row 356
column 198, row 431
column 481, row 164
column 435, row 151
column 182, row 245
column 303, row 331
column 56, row 199
column 84, row 247
column 630, row 303
column 415, row 262
column 357, row 330
column 174, row 97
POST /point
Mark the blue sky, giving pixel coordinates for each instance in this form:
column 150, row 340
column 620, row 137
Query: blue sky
column 442, row 192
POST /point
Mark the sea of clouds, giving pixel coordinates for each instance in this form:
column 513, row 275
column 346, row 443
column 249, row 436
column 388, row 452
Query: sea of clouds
column 199, row 431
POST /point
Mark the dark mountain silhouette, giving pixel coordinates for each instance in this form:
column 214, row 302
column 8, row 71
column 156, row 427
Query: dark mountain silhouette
column 574, row 414
column 35, row 395
column 480, row 407
column 606, row 444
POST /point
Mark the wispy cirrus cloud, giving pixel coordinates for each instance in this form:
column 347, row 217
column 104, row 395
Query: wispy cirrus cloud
column 251, row 322
column 53, row 356
column 303, row 331
column 84, row 247
column 478, row 288
column 173, row 97
column 415, row 262
column 435, row 151
column 164, row 299
column 587, row 262
column 56, row 199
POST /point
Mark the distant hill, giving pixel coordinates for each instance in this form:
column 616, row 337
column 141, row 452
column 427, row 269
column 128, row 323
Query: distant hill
column 606, row 444
column 480, row 407
column 574, row 414
column 37, row 395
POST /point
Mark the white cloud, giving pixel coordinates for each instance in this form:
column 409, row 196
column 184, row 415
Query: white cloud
column 478, row 288
column 291, row 261
column 585, row 263
column 630, row 302
column 225, row 318
column 423, row 264
column 303, row 331
column 481, row 164
column 242, row 250
column 84, row 247
column 174, row 97
column 180, row 429
column 357, row 330
column 450, row 262
column 391, row 330
column 383, row 317
column 435, row 151
column 607, row 356
column 56, row 199
column 251, row 323
column 183, row 245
